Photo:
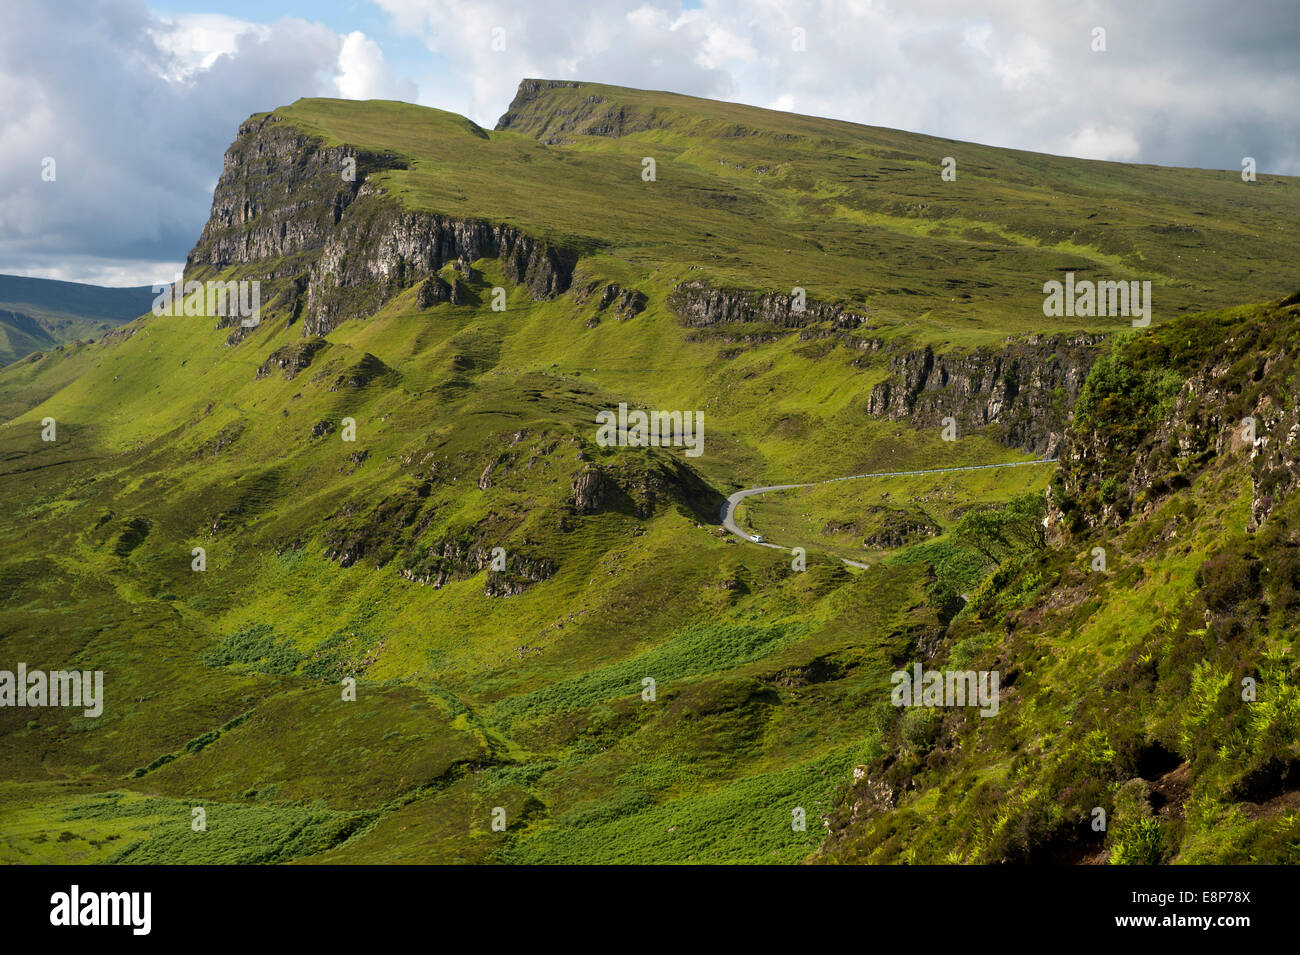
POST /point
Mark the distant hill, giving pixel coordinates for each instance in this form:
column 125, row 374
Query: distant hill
column 36, row 314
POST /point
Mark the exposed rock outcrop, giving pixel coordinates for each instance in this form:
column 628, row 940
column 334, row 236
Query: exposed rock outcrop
column 521, row 571
column 1275, row 458
column 433, row 290
column 897, row 529
column 1174, row 401
column 589, row 489
column 453, row 558
column 642, row 482
column 291, row 359
column 281, row 190
column 625, row 302
column 284, row 212
column 1022, row 391
column 531, row 114
column 701, row 305
column 381, row 248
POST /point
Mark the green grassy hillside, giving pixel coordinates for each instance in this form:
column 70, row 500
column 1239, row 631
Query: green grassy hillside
column 524, row 689
column 857, row 214
column 1149, row 654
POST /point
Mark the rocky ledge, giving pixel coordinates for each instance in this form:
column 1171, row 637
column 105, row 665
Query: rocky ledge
column 701, row 305
column 1022, row 392
column 283, row 212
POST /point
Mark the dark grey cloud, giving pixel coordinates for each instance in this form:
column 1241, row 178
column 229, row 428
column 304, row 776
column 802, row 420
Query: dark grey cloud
column 136, row 130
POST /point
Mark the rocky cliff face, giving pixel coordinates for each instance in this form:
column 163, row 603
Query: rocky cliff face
column 701, row 305
column 1166, row 406
column 283, row 210
column 1022, row 392
column 334, row 248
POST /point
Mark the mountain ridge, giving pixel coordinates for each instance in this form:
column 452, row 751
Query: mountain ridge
column 394, row 482
column 36, row 314
column 897, row 217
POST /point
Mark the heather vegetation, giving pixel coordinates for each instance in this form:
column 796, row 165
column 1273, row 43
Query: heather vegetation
column 399, row 493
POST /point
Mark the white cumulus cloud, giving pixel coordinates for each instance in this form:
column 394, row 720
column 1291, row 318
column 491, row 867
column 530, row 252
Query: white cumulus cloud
column 136, row 111
column 137, row 108
column 364, row 74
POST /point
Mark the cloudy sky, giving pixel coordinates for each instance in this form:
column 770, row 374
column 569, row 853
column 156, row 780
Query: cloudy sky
column 136, row 103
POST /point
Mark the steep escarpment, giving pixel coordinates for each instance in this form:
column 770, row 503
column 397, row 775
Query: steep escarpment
column 701, row 305
column 309, row 218
column 379, row 249
column 1162, row 406
column 1148, row 700
column 281, row 190
column 1022, row 392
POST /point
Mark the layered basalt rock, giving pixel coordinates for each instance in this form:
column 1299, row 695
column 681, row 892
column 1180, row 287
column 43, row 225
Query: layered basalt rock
column 702, row 305
column 283, row 212
column 1022, row 392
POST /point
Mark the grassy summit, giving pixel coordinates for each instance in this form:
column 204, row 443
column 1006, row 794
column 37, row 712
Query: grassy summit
column 762, row 199
column 522, row 689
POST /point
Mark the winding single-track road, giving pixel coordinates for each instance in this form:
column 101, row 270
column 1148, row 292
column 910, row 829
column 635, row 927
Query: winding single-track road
column 729, row 506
